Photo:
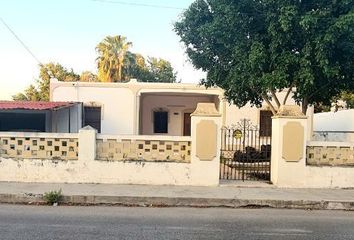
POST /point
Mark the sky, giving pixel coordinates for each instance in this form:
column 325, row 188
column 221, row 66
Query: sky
column 67, row 31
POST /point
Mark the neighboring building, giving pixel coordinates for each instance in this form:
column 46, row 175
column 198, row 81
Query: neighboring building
column 334, row 121
column 152, row 108
column 334, row 126
column 28, row 116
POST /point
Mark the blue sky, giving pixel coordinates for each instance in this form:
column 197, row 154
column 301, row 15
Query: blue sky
column 67, row 31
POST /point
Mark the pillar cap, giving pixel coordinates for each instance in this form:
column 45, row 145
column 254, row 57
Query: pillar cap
column 206, row 110
column 87, row 128
column 289, row 111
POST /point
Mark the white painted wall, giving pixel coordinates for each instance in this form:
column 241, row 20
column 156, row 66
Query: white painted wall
column 176, row 107
column 117, row 104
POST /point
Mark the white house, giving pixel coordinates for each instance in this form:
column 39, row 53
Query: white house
column 151, row 108
column 334, row 126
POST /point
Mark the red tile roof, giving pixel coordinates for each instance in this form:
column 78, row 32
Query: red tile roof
column 33, row 105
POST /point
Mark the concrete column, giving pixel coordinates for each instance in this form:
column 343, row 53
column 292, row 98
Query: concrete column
column 206, row 142
column 310, row 113
column 137, row 129
column 87, row 144
column 288, row 159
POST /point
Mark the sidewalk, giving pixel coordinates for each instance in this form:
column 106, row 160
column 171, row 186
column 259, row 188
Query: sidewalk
column 174, row 196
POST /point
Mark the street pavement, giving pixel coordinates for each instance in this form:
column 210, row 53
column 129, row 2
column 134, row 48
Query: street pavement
column 19, row 222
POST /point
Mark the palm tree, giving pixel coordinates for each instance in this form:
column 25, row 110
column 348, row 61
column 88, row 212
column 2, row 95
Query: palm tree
column 112, row 51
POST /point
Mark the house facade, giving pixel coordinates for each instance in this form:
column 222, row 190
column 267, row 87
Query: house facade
column 151, row 108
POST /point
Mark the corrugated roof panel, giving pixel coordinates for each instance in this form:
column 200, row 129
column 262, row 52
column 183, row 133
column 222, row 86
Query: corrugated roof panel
column 33, row 105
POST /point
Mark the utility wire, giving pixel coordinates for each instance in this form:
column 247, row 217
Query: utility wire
column 138, row 4
column 22, row 43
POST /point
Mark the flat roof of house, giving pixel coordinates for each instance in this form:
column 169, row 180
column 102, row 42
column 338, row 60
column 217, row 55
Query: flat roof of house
column 141, row 87
column 33, row 105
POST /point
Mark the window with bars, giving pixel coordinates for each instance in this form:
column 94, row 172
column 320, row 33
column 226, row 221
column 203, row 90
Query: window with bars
column 160, row 122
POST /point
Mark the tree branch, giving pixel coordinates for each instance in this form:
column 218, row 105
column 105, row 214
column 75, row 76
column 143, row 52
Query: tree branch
column 265, row 97
column 288, row 93
column 275, row 98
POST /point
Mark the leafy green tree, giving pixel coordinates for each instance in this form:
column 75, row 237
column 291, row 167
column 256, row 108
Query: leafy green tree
column 134, row 66
column 348, row 98
column 46, row 72
column 30, row 94
column 150, row 70
column 160, row 70
column 112, row 52
column 252, row 49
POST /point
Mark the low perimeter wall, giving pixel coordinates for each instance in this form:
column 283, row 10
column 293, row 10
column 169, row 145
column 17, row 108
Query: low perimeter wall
column 88, row 157
column 298, row 162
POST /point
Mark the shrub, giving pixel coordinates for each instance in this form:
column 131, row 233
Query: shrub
column 53, row 197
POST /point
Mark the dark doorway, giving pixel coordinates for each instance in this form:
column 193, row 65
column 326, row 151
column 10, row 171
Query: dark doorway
column 93, row 117
column 187, row 124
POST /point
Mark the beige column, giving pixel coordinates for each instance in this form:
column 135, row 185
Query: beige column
column 206, row 141
column 288, row 159
column 137, row 129
column 87, row 144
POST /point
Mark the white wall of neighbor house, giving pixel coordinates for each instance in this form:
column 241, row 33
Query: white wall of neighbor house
column 175, row 105
column 334, row 121
column 117, row 105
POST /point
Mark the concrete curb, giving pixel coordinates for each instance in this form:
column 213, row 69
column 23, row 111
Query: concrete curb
column 36, row 199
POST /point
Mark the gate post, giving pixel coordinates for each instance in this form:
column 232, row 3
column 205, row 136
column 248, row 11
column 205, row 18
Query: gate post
column 288, row 157
column 87, row 144
column 206, row 143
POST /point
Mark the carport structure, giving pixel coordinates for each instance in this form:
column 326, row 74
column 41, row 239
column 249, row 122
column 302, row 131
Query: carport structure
column 40, row 116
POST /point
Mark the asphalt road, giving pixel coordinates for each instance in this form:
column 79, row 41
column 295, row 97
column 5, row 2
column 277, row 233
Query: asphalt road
column 34, row 222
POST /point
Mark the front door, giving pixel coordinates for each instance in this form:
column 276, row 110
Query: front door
column 187, row 124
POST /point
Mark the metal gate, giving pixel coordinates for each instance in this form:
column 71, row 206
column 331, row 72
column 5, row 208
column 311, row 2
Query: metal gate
column 245, row 152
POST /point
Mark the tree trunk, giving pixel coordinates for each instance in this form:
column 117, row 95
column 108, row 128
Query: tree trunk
column 276, row 99
column 269, row 104
column 119, row 73
column 304, row 105
column 287, row 95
